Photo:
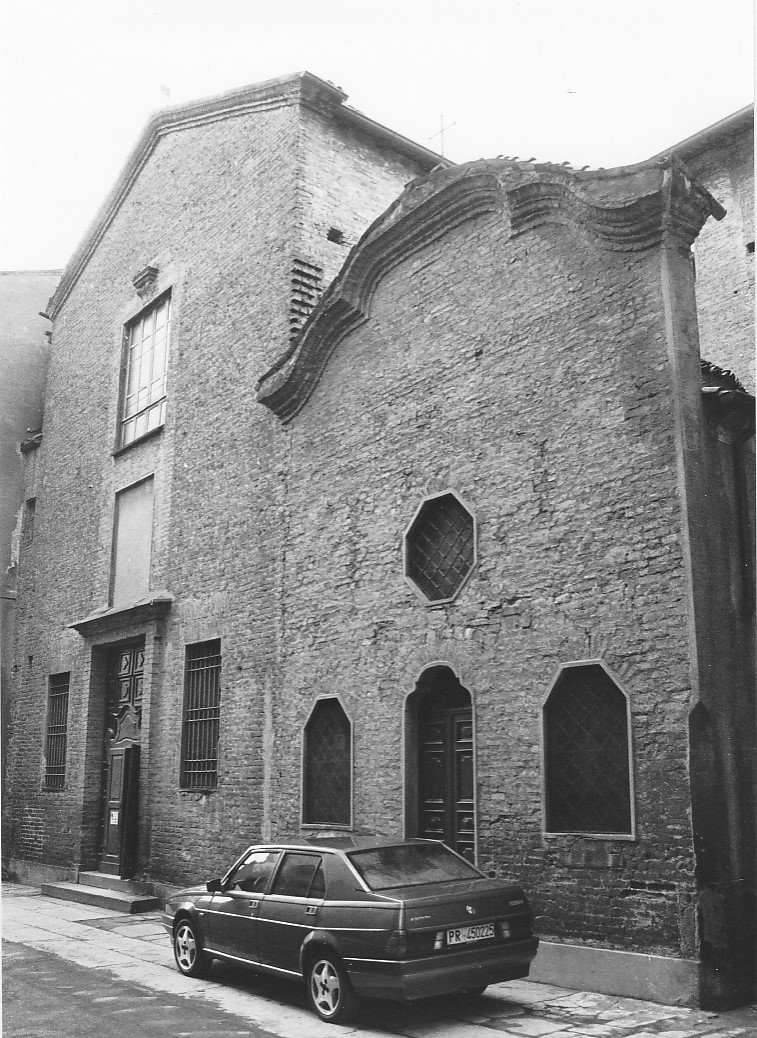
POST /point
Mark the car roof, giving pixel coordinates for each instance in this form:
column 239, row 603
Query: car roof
column 340, row 842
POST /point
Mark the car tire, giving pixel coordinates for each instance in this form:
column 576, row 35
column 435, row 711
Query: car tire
column 330, row 992
column 191, row 958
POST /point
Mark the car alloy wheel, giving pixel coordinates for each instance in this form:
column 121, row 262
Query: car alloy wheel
column 330, row 991
column 188, row 951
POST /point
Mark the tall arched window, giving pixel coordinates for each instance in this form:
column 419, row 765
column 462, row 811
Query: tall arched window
column 587, row 775
column 327, row 772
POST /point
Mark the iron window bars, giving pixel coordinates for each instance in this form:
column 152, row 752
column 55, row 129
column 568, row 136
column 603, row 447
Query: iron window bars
column 57, row 731
column 202, row 713
column 144, row 399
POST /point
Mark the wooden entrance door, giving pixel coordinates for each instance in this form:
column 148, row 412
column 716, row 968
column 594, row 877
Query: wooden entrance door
column 123, row 722
column 446, row 773
column 121, row 801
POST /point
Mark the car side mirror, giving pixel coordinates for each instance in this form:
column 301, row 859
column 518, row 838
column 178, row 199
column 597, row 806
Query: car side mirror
column 214, row 885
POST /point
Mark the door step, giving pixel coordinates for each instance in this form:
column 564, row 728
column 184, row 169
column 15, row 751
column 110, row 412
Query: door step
column 103, row 891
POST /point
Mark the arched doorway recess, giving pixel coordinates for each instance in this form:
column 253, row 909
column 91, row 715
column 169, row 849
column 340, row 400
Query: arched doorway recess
column 441, row 761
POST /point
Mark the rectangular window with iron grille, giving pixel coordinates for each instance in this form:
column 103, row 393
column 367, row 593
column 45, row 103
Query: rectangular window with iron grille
column 202, row 714
column 57, row 731
column 143, row 406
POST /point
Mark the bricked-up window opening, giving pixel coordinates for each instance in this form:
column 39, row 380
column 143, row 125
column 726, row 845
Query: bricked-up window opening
column 202, row 715
column 586, row 755
column 132, row 543
column 327, row 772
column 144, row 398
column 57, row 731
column 440, row 547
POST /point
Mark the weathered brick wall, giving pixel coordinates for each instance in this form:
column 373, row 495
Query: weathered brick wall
column 211, row 208
column 554, row 422
column 336, row 154
column 217, row 210
column 724, row 263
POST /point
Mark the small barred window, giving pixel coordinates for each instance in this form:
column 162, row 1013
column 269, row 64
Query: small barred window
column 327, row 773
column 440, row 547
column 57, row 731
column 586, row 754
column 202, row 715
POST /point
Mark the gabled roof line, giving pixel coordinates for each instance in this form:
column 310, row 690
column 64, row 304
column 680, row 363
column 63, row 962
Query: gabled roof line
column 301, row 88
column 730, row 126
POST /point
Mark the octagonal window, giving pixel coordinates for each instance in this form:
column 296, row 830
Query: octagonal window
column 440, row 547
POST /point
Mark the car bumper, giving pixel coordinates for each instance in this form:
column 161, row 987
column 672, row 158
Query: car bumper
column 442, row 974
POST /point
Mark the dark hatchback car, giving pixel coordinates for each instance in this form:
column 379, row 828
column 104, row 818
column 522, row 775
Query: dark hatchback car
column 357, row 916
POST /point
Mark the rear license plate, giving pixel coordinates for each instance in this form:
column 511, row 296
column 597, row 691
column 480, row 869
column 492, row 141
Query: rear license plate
column 468, row 934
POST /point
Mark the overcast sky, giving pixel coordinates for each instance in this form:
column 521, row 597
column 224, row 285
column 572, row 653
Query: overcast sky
column 592, row 82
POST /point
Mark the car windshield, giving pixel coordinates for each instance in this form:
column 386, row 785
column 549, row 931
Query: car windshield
column 411, row 865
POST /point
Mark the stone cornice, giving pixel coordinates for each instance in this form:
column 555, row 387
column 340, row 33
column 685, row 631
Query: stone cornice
column 155, row 607
column 628, row 209
column 302, row 88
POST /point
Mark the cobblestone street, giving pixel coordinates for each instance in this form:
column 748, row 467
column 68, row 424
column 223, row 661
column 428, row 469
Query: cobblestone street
column 69, row 967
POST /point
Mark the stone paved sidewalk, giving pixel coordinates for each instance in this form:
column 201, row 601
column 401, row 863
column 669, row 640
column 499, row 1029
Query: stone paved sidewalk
column 136, row 948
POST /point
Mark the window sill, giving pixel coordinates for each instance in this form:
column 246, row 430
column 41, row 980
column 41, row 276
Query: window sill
column 626, row 837
column 326, row 827
column 117, row 451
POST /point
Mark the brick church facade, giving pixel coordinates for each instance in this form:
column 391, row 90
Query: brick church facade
column 380, row 493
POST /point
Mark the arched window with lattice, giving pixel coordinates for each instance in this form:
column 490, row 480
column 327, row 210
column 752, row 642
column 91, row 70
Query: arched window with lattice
column 327, row 768
column 588, row 781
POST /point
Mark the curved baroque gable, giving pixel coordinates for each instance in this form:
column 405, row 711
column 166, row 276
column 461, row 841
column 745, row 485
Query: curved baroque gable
column 627, row 209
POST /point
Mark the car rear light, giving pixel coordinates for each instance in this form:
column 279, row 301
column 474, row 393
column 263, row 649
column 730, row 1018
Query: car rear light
column 505, row 930
column 439, row 940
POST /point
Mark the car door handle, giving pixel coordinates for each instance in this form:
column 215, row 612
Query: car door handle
column 311, row 909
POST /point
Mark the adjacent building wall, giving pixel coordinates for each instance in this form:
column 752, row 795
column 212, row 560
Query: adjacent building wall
column 721, row 158
column 217, row 208
column 23, row 356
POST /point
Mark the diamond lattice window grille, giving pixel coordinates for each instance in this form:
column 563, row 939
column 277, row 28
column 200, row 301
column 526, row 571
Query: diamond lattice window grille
column 586, row 754
column 440, row 547
column 327, row 792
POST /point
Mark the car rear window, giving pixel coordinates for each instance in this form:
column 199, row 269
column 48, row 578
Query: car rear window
column 410, row 865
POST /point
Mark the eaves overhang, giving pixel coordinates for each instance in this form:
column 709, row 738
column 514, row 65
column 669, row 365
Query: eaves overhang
column 301, row 88
column 146, row 610
column 720, row 134
column 729, row 408
column 628, row 209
